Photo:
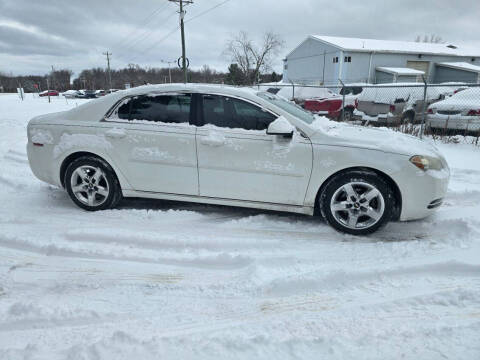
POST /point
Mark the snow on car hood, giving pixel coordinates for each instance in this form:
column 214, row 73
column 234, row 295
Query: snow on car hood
column 381, row 139
column 466, row 99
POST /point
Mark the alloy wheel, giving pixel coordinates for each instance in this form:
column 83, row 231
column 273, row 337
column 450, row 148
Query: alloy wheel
column 90, row 185
column 357, row 205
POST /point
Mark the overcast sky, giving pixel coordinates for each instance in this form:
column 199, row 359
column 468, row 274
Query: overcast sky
column 73, row 34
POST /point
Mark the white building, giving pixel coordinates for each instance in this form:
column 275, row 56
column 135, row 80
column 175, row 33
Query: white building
column 326, row 59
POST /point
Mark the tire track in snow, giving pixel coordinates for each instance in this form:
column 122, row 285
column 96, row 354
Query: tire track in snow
column 222, row 261
column 318, row 281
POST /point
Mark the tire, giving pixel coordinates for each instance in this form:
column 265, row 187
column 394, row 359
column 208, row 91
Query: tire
column 348, row 114
column 407, row 118
column 92, row 184
column 369, row 205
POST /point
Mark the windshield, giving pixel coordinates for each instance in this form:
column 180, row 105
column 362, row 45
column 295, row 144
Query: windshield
column 288, row 106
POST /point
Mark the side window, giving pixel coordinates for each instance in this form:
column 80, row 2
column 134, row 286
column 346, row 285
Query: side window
column 253, row 117
column 157, row 108
column 232, row 113
column 357, row 90
column 123, row 111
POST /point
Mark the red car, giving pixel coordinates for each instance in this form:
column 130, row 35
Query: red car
column 332, row 107
column 49, row 92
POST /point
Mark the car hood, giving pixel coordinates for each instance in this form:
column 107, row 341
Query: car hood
column 381, row 139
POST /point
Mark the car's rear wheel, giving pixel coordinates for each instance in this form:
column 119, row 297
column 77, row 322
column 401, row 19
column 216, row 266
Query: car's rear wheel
column 346, row 114
column 407, row 118
column 92, row 184
column 357, row 202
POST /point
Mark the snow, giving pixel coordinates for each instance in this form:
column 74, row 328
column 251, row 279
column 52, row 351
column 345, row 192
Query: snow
column 301, row 93
column 461, row 65
column 161, row 280
column 82, row 141
column 468, row 99
column 387, row 46
column 400, row 70
column 409, row 93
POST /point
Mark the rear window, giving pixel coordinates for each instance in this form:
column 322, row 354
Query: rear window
column 157, row 108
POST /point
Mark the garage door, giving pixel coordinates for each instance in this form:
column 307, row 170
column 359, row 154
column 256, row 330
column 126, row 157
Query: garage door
column 419, row 65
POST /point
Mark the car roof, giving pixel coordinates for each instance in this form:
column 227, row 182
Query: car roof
column 201, row 88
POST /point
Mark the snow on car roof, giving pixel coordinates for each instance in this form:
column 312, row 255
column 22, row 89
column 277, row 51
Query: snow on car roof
column 400, row 70
column 461, row 65
column 95, row 109
column 369, row 45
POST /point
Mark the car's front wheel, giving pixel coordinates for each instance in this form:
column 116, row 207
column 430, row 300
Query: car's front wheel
column 92, row 184
column 357, row 202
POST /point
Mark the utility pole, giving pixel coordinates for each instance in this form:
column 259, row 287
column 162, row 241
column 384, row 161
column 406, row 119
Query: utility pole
column 324, row 59
column 182, row 4
column 169, row 69
column 50, row 83
column 107, row 54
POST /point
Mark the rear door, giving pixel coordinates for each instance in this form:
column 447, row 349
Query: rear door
column 154, row 143
column 238, row 160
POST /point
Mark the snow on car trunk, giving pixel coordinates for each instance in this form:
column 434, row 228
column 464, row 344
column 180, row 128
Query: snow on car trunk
column 157, row 279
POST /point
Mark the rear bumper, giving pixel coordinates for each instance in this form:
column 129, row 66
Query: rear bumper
column 41, row 164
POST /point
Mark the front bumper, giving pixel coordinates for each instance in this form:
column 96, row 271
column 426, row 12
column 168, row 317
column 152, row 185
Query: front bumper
column 422, row 191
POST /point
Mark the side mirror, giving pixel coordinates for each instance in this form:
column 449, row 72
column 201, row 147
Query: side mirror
column 280, row 127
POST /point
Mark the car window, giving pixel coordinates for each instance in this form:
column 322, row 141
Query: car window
column 234, row 113
column 288, row 106
column 157, row 108
column 357, row 90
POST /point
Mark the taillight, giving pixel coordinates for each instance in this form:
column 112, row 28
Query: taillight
column 429, row 111
column 356, row 103
column 474, row 113
column 392, row 108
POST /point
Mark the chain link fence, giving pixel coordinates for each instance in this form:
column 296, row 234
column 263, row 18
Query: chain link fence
column 440, row 110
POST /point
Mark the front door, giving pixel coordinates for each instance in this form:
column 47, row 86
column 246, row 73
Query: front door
column 154, row 143
column 238, row 160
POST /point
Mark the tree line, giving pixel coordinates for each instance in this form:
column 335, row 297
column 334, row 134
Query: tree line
column 251, row 63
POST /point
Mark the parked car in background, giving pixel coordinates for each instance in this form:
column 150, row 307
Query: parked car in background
column 300, row 93
column 49, row 93
column 99, row 93
column 398, row 103
column 460, row 111
column 90, row 94
column 70, row 94
column 237, row 147
column 333, row 106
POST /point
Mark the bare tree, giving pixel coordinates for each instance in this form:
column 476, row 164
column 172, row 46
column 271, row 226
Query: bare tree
column 433, row 38
column 251, row 58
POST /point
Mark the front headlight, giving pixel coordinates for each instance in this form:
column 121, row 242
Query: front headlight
column 426, row 162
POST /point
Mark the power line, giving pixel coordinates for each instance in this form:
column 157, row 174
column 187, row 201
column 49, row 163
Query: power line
column 145, row 35
column 146, row 50
column 207, row 11
column 152, row 46
column 144, row 22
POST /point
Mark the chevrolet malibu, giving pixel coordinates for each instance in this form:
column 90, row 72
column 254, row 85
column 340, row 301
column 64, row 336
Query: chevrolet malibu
column 238, row 147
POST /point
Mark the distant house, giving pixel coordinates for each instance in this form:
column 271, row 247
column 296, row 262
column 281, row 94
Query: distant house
column 326, row 59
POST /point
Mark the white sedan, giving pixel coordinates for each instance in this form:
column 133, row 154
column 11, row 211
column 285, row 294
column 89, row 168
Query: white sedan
column 458, row 112
column 240, row 147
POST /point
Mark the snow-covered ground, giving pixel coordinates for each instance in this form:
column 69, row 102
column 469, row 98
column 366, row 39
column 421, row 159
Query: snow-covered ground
column 161, row 280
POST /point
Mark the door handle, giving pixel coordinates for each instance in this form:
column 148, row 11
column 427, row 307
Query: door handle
column 213, row 139
column 116, row 134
